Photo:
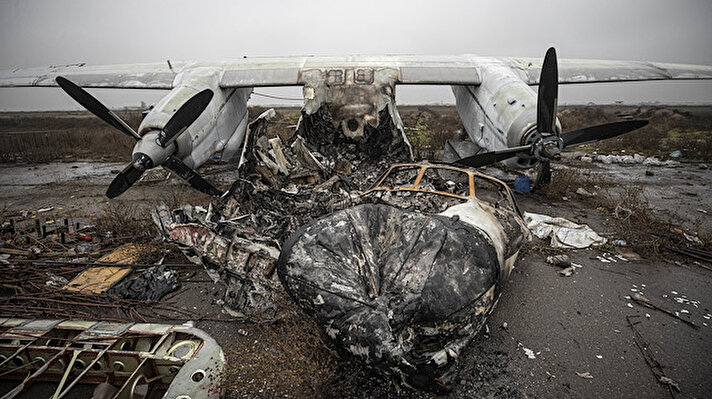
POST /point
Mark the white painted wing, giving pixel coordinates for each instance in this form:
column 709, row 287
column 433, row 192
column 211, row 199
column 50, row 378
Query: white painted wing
column 247, row 72
column 128, row 76
column 412, row 69
column 287, row 71
column 598, row 71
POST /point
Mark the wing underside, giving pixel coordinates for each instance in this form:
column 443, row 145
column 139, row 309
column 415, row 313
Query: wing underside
column 288, row 71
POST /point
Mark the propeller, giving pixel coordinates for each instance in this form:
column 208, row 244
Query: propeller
column 158, row 145
column 95, row 107
column 550, row 143
column 184, row 117
column 548, row 94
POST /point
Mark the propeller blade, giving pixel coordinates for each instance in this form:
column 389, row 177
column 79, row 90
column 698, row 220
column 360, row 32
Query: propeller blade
column 125, row 179
column 191, row 176
column 487, row 158
column 600, row 132
column 185, row 116
column 544, row 175
column 548, row 94
column 95, row 107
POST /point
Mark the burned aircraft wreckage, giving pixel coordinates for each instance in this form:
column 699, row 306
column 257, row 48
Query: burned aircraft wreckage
column 402, row 274
column 400, row 271
column 102, row 359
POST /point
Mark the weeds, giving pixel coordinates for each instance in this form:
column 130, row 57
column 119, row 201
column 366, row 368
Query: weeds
column 44, row 137
column 669, row 130
column 125, row 222
column 288, row 357
column 565, row 183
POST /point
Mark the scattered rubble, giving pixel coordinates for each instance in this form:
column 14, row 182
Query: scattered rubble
column 635, row 159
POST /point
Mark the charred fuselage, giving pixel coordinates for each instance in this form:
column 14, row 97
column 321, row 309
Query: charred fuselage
column 405, row 280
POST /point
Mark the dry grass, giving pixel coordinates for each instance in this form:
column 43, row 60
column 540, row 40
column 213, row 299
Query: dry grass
column 632, row 218
column 39, row 137
column 565, row 182
column 285, row 358
column 669, row 129
column 428, row 128
column 126, row 222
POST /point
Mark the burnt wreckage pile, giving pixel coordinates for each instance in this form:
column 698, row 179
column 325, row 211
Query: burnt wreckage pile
column 282, row 187
column 390, row 276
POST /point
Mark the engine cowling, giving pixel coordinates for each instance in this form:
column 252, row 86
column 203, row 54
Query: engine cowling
column 213, row 128
column 500, row 112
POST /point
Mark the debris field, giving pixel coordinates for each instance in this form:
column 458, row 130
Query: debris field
column 590, row 309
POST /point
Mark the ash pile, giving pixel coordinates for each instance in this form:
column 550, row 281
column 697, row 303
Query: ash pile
column 283, row 184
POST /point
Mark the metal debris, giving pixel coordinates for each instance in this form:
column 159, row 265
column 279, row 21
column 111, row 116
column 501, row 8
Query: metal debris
column 562, row 260
column 639, row 299
column 113, row 358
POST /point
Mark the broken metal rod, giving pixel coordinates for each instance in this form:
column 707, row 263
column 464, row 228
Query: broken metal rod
column 69, row 263
column 655, row 366
column 643, row 301
column 695, row 254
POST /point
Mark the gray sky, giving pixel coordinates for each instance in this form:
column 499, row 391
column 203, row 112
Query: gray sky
column 39, row 33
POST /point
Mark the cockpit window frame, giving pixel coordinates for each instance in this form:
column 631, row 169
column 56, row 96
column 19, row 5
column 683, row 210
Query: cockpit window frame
column 377, row 186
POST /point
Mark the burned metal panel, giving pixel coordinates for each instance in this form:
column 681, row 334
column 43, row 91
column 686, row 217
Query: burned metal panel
column 387, row 141
column 116, row 357
column 354, row 95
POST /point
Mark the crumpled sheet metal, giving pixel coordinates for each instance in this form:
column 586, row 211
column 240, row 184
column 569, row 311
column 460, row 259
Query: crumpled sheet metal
column 563, row 232
column 245, row 264
column 400, row 290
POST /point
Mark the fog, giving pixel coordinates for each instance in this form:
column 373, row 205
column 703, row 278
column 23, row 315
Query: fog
column 40, row 33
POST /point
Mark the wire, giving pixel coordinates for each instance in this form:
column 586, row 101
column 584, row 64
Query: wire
column 277, row 97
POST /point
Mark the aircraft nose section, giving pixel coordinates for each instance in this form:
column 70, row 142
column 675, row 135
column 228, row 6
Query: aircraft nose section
column 142, row 161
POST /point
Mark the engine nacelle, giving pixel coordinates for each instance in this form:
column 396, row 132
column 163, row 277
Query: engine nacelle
column 209, row 133
column 500, row 112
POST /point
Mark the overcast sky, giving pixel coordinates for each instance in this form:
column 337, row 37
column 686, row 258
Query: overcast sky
column 40, row 33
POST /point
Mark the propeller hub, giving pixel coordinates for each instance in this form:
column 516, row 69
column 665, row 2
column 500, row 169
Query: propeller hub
column 141, row 161
column 549, row 148
column 148, row 153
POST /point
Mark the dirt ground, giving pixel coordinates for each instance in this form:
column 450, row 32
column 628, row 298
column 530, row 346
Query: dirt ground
column 574, row 325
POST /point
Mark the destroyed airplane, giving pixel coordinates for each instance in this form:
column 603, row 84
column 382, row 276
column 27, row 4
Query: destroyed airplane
column 350, row 99
column 401, row 277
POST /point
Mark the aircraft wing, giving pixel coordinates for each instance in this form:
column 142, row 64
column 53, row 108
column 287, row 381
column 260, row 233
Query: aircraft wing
column 599, row 71
column 127, row 76
column 287, row 71
column 247, row 72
